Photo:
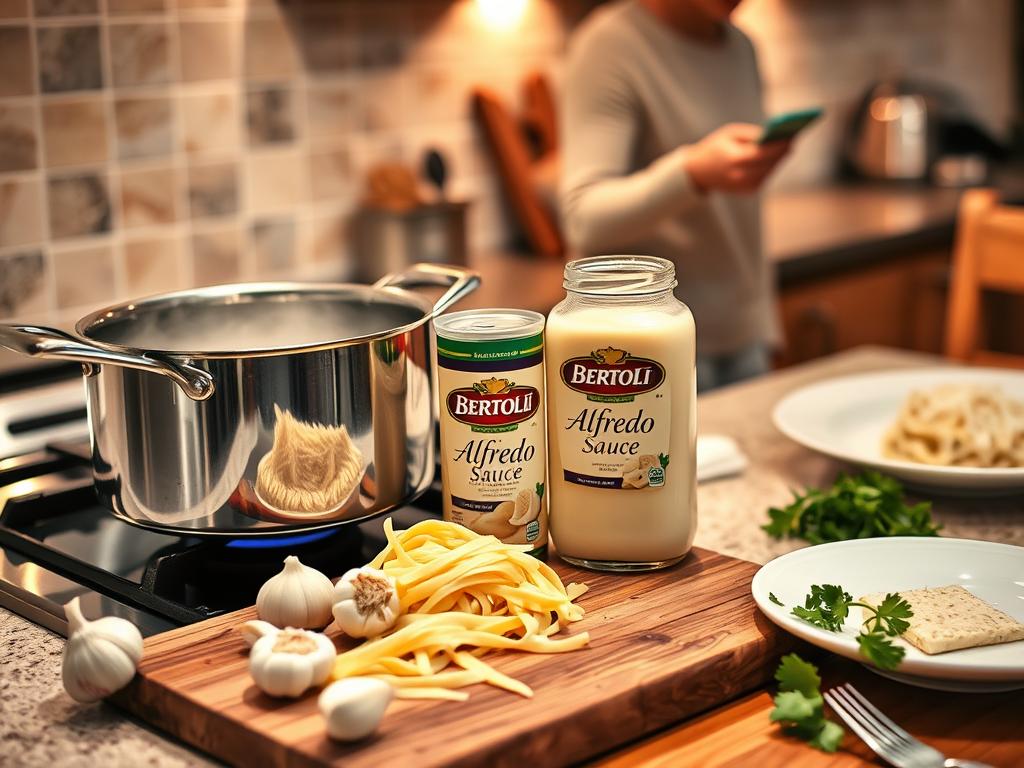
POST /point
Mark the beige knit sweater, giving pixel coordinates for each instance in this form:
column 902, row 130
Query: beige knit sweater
column 636, row 93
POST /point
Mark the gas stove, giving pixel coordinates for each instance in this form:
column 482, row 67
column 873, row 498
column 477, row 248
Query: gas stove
column 57, row 542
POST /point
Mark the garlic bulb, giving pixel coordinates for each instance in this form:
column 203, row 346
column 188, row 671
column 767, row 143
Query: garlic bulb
column 353, row 707
column 253, row 630
column 299, row 596
column 288, row 662
column 100, row 656
column 365, row 602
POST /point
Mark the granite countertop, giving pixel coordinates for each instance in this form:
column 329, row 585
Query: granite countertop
column 40, row 725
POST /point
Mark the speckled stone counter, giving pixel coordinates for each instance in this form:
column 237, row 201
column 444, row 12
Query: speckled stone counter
column 40, row 725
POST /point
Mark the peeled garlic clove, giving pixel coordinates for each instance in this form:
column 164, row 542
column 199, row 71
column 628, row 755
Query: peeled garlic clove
column 366, row 602
column 290, row 661
column 253, row 630
column 299, row 596
column 354, row 706
column 100, row 656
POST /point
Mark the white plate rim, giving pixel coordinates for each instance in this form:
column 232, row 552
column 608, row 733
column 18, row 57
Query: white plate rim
column 937, row 667
column 935, row 474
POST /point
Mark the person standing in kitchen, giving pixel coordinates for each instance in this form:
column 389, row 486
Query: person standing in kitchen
column 660, row 156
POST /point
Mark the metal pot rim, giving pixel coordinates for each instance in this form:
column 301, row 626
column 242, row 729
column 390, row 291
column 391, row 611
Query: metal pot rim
column 241, row 291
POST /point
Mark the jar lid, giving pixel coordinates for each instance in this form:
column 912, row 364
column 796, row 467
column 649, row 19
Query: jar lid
column 489, row 324
column 620, row 275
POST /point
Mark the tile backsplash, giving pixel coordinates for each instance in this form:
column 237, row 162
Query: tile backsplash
column 147, row 145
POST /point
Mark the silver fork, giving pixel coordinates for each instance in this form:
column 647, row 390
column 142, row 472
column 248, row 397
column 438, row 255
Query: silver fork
column 886, row 739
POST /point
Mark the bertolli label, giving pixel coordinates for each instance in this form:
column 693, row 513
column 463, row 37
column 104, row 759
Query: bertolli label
column 492, row 437
column 614, row 420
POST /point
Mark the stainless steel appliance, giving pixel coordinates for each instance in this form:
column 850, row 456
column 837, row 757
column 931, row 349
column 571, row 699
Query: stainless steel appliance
column 184, row 392
column 894, row 134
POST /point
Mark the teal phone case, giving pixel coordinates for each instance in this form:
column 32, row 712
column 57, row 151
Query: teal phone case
column 788, row 124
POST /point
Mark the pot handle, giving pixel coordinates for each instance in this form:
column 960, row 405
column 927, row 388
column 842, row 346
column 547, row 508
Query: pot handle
column 36, row 341
column 462, row 281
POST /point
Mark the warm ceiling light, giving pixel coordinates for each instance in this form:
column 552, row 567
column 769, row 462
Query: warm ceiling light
column 501, row 14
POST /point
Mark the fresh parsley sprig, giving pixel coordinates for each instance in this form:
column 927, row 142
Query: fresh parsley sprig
column 855, row 507
column 800, row 707
column 828, row 605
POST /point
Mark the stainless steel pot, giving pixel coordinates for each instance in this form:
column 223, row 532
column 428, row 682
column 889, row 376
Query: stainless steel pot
column 185, row 390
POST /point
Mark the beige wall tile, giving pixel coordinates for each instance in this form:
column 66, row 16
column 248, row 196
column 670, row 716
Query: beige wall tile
column 16, row 62
column 79, row 205
column 13, row 9
column 213, row 189
column 216, row 255
column 149, row 196
column 18, row 140
column 21, row 212
column 135, row 7
column 331, row 174
column 271, row 51
column 209, row 50
column 75, row 132
column 324, row 238
column 23, row 284
column 44, row 8
column 272, row 243
column 270, row 115
column 144, row 126
column 85, row 276
column 335, row 109
column 211, row 122
column 69, row 58
column 153, row 264
column 139, row 54
column 277, row 181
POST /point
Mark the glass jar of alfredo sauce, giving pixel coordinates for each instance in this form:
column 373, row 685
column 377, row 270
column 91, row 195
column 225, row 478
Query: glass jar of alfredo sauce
column 621, row 388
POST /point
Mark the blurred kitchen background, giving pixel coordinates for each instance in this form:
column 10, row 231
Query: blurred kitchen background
column 148, row 145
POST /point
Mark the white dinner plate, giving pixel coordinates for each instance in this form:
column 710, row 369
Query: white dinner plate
column 847, row 417
column 993, row 572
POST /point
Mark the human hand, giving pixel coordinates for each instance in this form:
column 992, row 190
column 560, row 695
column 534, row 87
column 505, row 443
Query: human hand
column 729, row 159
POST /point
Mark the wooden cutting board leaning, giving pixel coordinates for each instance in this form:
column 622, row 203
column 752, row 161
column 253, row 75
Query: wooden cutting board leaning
column 664, row 646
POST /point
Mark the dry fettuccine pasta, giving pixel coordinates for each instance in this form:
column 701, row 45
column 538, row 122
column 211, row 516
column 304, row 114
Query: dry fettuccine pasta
column 959, row 425
column 462, row 595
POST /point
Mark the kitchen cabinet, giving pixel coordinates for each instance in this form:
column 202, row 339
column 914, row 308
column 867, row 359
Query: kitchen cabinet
column 897, row 302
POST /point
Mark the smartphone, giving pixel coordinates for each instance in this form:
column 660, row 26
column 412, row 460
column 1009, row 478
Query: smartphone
column 788, row 124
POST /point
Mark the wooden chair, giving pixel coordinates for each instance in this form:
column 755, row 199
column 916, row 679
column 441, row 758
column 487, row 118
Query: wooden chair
column 988, row 253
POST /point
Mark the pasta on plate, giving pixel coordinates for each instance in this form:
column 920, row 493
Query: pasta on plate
column 959, row 425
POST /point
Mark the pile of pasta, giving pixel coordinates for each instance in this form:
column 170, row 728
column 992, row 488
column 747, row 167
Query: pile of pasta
column 462, row 595
column 959, row 425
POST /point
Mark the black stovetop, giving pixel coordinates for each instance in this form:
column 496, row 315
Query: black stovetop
column 57, row 542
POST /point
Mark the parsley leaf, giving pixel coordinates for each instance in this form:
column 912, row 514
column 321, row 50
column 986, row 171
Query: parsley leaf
column 855, row 507
column 880, row 650
column 828, row 605
column 795, row 674
column 891, row 616
column 800, row 707
column 774, row 599
column 829, row 737
column 793, row 706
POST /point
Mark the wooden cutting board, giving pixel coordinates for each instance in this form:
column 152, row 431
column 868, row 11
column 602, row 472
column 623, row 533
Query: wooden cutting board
column 664, row 646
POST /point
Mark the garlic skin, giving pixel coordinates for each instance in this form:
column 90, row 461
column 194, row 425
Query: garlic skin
column 366, row 602
column 354, row 706
column 288, row 662
column 253, row 630
column 299, row 596
column 100, row 656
